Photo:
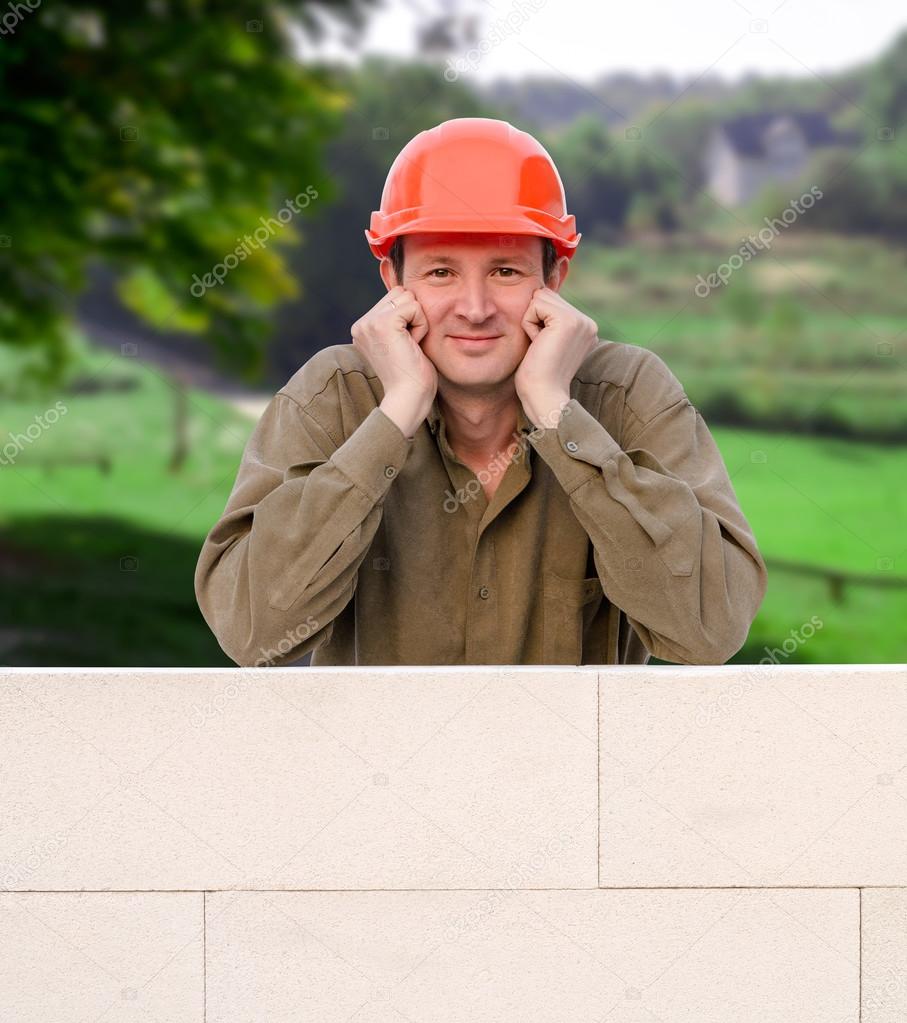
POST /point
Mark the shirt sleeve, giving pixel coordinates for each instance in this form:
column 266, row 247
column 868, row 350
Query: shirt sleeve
column 282, row 561
column 671, row 546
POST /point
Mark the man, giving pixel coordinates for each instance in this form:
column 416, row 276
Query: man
column 478, row 478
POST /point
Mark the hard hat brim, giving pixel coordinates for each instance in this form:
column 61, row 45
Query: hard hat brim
column 384, row 229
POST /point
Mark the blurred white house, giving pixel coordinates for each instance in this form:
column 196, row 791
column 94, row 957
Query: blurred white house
column 747, row 153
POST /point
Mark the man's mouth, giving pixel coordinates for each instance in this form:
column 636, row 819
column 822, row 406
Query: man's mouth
column 475, row 337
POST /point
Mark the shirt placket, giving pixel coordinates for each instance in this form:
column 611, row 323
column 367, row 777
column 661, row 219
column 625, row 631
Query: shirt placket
column 482, row 640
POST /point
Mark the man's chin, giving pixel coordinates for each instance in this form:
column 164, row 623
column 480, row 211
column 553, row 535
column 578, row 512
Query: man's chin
column 479, row 382
column 455, row 360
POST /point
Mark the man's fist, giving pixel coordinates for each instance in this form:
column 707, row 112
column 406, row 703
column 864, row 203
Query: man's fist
column 388, row 337
column 560, row 339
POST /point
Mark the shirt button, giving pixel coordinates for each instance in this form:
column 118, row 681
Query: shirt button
column 390, row 471
column 483, row 593
column 571, row 445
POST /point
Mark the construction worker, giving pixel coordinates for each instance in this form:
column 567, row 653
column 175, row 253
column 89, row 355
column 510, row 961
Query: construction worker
column 478, row 478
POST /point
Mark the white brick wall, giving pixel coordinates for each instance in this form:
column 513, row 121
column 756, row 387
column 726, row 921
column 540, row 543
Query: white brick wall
column 454, row 844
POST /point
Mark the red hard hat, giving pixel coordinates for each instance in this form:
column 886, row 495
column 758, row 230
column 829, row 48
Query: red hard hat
column 473, row 174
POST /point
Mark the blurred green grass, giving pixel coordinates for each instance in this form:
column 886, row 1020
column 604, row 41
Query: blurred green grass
column 98, row 567
column 829, row 503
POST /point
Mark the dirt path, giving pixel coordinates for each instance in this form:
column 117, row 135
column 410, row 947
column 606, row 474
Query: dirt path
column 248, row 400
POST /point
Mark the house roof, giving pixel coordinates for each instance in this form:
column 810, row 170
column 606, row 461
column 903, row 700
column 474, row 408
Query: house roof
column 746, row 133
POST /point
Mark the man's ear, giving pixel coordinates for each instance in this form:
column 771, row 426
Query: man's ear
column 561, row 269
column 386, row 269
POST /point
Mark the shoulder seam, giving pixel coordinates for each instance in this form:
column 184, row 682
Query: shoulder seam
column 324, row 387
column 683, row 399
column 623, row 388
column 303, row 411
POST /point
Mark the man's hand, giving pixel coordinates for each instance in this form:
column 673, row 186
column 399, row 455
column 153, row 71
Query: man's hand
column 560, row 339
column 388, row 336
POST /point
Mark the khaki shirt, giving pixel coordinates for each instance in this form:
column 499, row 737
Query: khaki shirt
column 613, row 535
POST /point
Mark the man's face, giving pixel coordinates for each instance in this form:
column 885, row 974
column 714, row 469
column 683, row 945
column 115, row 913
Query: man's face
column 474, row 285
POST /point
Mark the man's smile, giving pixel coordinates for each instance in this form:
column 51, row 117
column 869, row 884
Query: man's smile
column 478, row 339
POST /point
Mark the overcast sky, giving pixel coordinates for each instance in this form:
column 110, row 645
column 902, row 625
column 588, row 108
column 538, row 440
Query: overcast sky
column 580, row 40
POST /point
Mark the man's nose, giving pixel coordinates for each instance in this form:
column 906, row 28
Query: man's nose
column 474, row 301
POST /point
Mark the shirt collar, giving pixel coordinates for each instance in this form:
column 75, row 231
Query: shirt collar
column 434, row 417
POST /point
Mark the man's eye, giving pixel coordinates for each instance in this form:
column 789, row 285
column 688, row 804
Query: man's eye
column 511, row 271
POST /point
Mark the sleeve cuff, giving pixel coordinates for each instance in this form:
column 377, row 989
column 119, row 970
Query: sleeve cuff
column 373, row 455
column 578, row 448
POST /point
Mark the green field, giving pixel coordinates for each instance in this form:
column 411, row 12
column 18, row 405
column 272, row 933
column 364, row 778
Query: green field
column 809, row 335
column 65, row 530
column 831, row 503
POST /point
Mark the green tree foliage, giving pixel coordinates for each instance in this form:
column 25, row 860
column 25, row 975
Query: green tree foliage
column 152, row 137
column 886, row 91
column 613, row 179
column 594, row 171
column 867, row 193
column 678, row 136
